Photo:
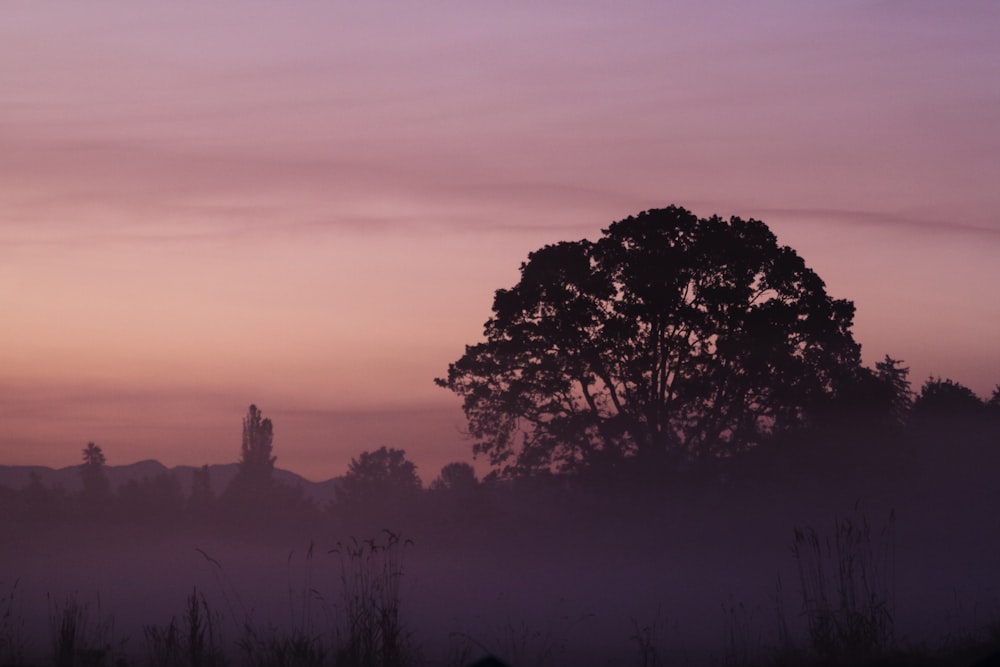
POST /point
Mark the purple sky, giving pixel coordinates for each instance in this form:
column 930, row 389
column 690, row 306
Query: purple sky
column 309, row 207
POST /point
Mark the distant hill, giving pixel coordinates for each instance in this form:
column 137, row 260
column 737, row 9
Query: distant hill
column 17, row 477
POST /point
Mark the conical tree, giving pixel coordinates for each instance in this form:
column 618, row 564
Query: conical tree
column 95, row 482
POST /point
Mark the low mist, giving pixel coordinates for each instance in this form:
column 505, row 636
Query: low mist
column 708, row 565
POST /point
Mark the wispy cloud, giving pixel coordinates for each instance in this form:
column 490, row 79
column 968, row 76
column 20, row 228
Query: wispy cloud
column 928, row 224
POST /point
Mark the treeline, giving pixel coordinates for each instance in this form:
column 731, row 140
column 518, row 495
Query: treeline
column 675, row 353
column 886, row 436
column 378, row 483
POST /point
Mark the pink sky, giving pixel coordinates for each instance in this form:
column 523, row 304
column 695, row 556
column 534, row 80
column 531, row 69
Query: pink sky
column 309, row 207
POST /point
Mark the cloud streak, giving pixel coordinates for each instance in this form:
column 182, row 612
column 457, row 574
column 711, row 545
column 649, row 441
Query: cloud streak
column 876, row 219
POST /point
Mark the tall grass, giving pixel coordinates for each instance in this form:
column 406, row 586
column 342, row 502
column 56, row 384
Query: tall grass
column 847, row 597
column 12, row 644
column 646, row 640
column 77, row 641
column 195, row 643
column 369, row 632
column 303, row 644
column 847, row 588
column 515, row 644
column 270, row 647
column 370, row 575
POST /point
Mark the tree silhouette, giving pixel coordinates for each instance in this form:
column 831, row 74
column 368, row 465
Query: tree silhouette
column 943, row 398
column 201, row 499
column 671, row 338
column 95, row 482
column 93, row 457
column 456, row 477
column 994, row 403
column 158, row 497
column 250, row 495
column 878, row 398
column 256, row 460
column 896, row 378
column 378, row 476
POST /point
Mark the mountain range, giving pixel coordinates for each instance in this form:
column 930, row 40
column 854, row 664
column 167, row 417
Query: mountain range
column 17, row 477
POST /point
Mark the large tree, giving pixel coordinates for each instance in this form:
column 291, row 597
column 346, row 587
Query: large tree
column 671, row 337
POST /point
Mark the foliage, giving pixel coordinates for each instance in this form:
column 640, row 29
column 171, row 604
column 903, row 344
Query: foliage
column 375, row 477
column 671, row 336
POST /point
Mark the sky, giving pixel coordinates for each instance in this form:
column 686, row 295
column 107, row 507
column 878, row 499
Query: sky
column 309, row 207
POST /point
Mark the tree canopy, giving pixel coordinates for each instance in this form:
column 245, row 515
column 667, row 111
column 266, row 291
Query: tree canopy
column 944, row 398
column 670, row 337
column 376, row 476
column 456, row 477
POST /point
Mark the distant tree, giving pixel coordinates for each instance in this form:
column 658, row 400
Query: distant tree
column 875, row 398
column 378, row 476
column 39, row 502
column 93, row 457
column 896, row 378
column 202, row 498
column 671, row 338
column 942, row 398
column 95, row 481
column 256, row 460
column 35, row 494
column 456, row 477
column 156, row 497
column 253, row 499
column 249, row 496
column 994, row 402
column 456, row 497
